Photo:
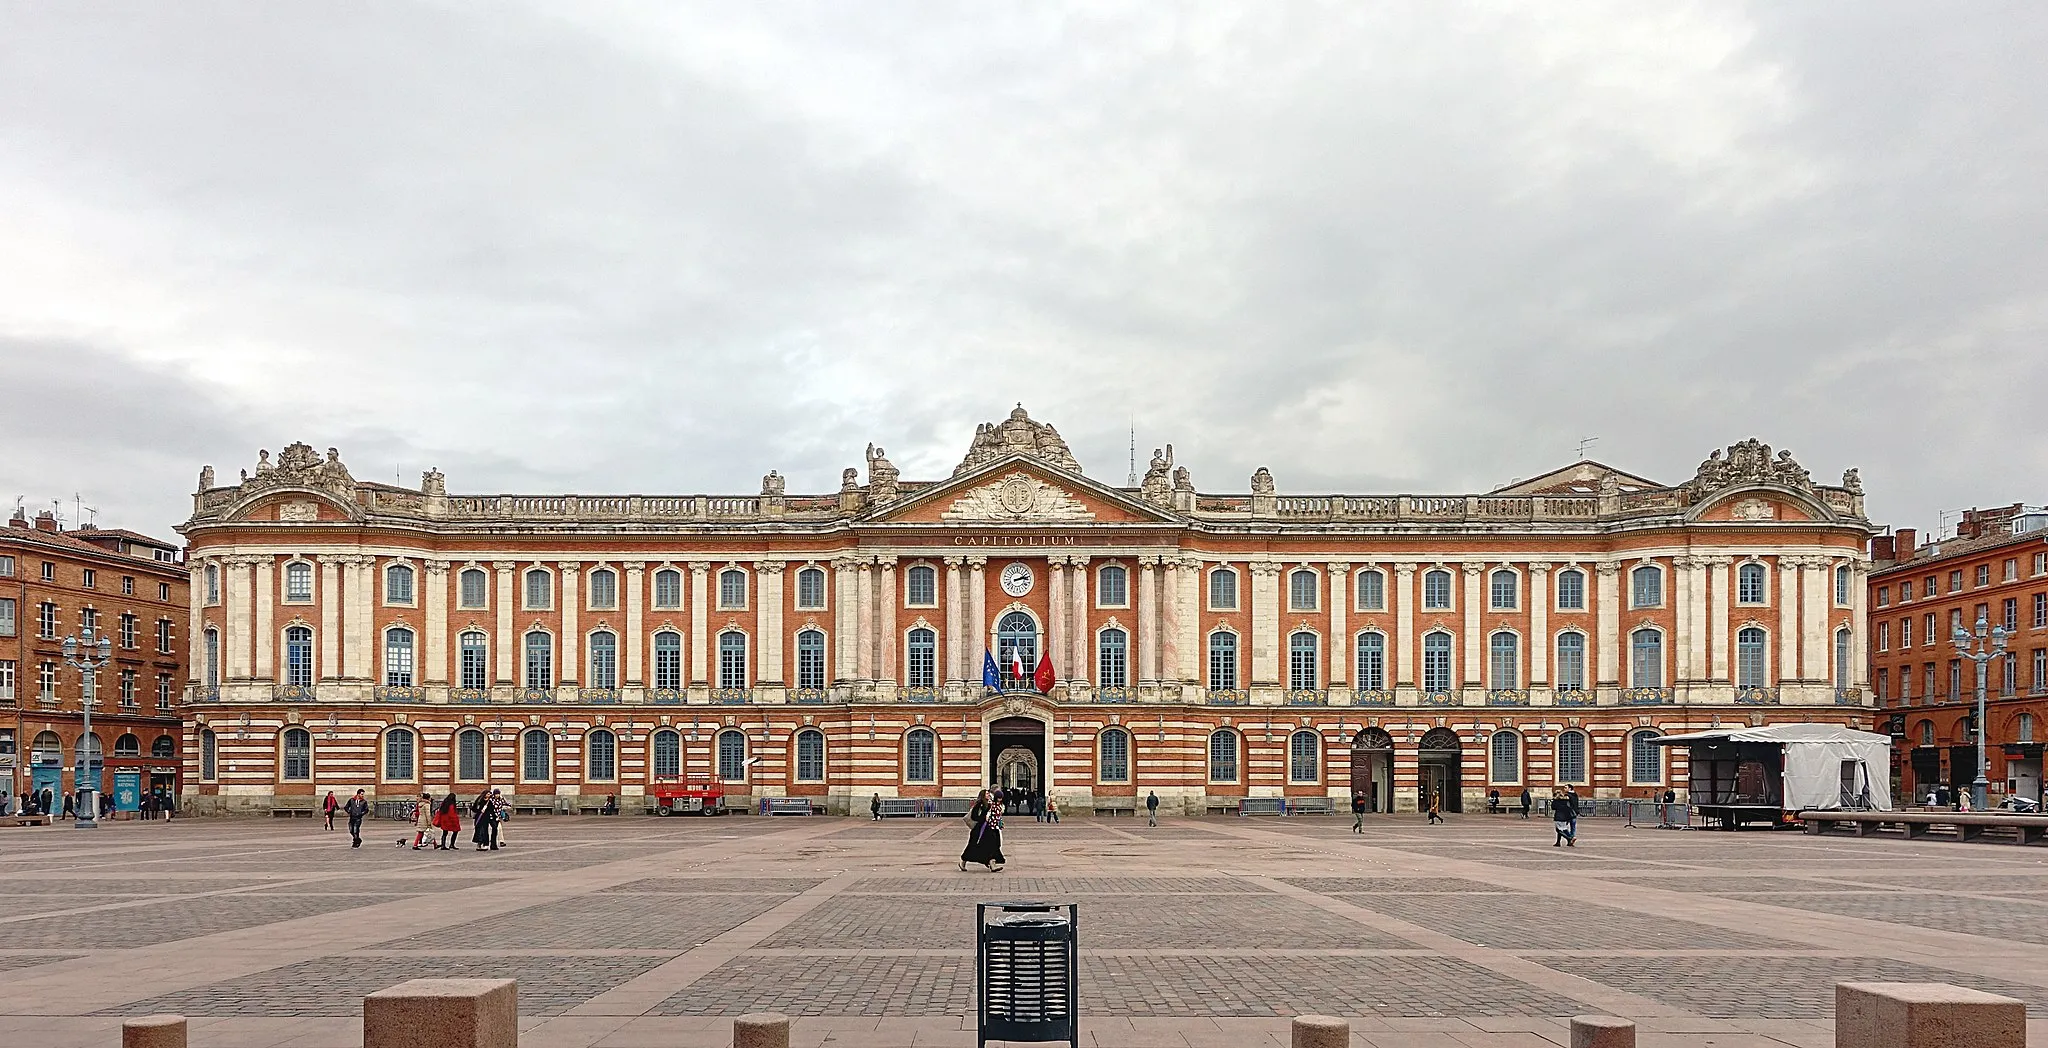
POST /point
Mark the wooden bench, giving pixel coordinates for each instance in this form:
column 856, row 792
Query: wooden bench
column 1966, row 826
column 1262, row 806
column 1311, row 806
column 786, row 806
column 902, row 807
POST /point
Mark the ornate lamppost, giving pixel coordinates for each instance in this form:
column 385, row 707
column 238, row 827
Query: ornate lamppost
column 1980, row 647
column 88, row 652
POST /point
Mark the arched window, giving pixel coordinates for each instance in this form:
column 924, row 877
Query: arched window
column 398, row 584
column 399, row 748
column 921, row 658
column 604, row 659
column 810, row 659
column 604, row 589
column 602, row 756
column 1372, row 661
column 668, row 754
column 1016, row 644
column 1646, row 658
column 212, row 675
column 921, row 586
column 540, row 589
column 474, row 588
column 298, row 755
column 1749, row 584
column 474, row 652
column 1223, row 590
column 810, row 755
column 1223, row 661
column 732, row 659
column 810, row 589
column 298, row 656
column 1372, row 590
column 1304, row 668
column 732, row 590
column 213, row 584
column 164, row 748
column 920, row 756
column 1926, row 733
column 471, row 764
column 1504, row 661
column 1571, row 590
column 298, row 582
column 535, row 760
column 1751, row 664
column 668, row 588
column 1845, row 661
column 1436, row 662
column 1571, row 757
column 1112, row 587
column 1506, row 750
column 128, row 745
column 1436, row 590
column 1571, row 662
column 732, row 756
column 1302, row 584
column 209, row 755
column 1112, row 658
column 1504, row 590
column 1223, row 755
column 1115, row 763
column 540, row 660
column 1645, row 759
column 1646, row 587
column 1304, row 757
column 398, row 657
column 1845, row 582
column 668, row 659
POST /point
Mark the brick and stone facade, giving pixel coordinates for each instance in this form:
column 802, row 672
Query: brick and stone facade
column 1203, row 646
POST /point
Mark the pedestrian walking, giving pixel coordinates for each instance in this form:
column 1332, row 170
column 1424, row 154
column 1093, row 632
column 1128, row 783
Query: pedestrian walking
column 1358, row 811
column 1151, row 808
column 422, row 822
column 357, row 807
column 501, row 813
column 481, row 815
column 1564, row 817
column 327, row 808
column 449, row 820
column 1052, row 810
column 1435, row 801
column 984, row 834
column 1527, row 801
column 875, row 808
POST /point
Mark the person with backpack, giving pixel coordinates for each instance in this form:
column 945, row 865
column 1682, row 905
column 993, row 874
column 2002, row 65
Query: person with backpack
column 1151, row 808
column 357, row 807
column 1527, row 802
column 1358, row 811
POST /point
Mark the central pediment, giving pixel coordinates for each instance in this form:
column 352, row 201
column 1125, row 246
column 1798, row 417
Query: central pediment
column 1017, row 498
column 1020, row 490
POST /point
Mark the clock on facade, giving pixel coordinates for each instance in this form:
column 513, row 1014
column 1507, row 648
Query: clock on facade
column 1016, row 579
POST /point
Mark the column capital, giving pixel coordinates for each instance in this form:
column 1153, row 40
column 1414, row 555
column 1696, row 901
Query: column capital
column 955, row 562
column 1338, row 567
column 882, row 562
column 1473, row 568
column 1540, row 567
column 1077, row 560
column 506, row 566
column 568, row 567
column 1265, row 568
column 635, row 567
column 699, row 567
column 437, row 568
column 769, row 567
column 977, row 563
column 1607, row 569
column 1149, row 560
column 1405, row 570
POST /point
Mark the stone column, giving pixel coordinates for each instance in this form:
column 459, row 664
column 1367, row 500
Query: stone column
column 956, row 616
column 1816, row 596
column 864, row 629
column 700, row 624
column 435, row 648
column 635, row 674
column 571, row 673
column 1403, row 598
column 1084, row 638
column 888, row 643
column 1189, row 607
column 234, row 613
column 1539, row 625
column 1169, row 624
column 977, row 613
column 1608, row 623
column 508, row 585
column 845, row 663
column 1699, row 571
column 1056, row 608
column 1265, row 625
column 768, row 573
column 265, row 567
column 1681, row 613
column 363, row 640
column 1475, row 640
column 1147, row 669
column 1859, row 625
column 1717, row 618
column 1340, row 628
column 195, row 597
column 1787, row 637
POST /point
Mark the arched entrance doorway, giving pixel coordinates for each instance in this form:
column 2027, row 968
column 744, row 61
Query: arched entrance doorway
column 1016, row 762
column 1437, row 761
column 1016, row 649
column 1372, row 768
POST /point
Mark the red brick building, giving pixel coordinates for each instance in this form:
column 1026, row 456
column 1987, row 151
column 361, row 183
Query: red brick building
column 132, row 589
column 1996, row 569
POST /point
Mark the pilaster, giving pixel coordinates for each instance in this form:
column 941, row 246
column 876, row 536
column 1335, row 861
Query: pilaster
column 1537, row 593
column 507, row 585
column 236, row 595
column 1403, row 597
column 1057, row 642
column 1475, row 642
column 956, row 645
column 571, row 673
column 195, row 642
column 1607, row 576
column 1077, row 603
column 1340, row 629
column 886, row 604
column 1147, row 670
column 1787, row 595
column 1718, row 615
column 636, row 625
column 1265, row 624
column 1816, row 596
column 264, row 569
column 845, row 662
column 977, row 612
column 768, row 590
column 700, row 624
column 865, row 630
column 434, row 672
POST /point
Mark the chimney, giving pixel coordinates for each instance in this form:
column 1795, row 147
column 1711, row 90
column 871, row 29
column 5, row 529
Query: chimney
column 46, row 521
column 1905, row 542
column 19, row 520
column 1881, row 547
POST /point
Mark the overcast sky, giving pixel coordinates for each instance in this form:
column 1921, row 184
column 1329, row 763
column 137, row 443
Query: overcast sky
column 665, row 248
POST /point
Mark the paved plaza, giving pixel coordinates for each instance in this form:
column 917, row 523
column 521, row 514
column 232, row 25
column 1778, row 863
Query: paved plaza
column 634, row 932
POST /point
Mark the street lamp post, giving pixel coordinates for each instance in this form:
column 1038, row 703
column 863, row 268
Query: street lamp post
column 1980, row 647
column 88, row 652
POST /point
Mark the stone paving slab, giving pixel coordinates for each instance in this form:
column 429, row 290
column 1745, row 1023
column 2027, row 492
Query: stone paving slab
column 548, row 985
column 1769, row 987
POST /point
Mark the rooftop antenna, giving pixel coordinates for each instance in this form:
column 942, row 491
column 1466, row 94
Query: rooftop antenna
column 1133, row 481
column 1584, row 443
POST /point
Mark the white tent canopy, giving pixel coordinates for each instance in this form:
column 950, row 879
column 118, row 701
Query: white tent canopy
column 1821, row 761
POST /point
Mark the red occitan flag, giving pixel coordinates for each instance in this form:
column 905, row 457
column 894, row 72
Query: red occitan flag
column 1042, row 676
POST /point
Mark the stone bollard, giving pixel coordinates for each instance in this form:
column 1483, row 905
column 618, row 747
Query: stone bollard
column 443, row 1013
column 1926, row 1015
column 761, row 1030
column 1321, row 1031
column 154, row 1031
column 1602, row 1031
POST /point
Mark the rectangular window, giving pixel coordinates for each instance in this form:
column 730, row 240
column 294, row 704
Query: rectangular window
column 89, row 619
column 1884, row 636
column 1116, row 755
column 298, row 582
column 1906, row 632
column 732, row 660
column 475, row 660
column 91, row 579
column 2009, row 612
column 1111, row 587
column 398, row 659
column 1646, row 587
column 1571, row 590
column 128, row 688
column 540, row 590
column 2040, row 670
column 1571, row 661
column 668, row 589
column 1505, row 591
column 921, row 586
column 668, row 660
column 1372, row 662
column 46, row 620
column 1223, row 662
column 1927, row 628
column 1883, row 684
column 1436, row 662
column 1571, row 757
column 1112, row 659
column 732, row 590
column 1372, row 591
column 163, row 591
column 128, row 629
column 1955, row 580
column 474, row 588
column 1223, row 756
column 6, row 567
column 127, row 584
column 810, row 659
column 1302, row 587
column 1983, row 574
column 7, row 681
column 1223, row 590
column 398, row 584
column 1645, row 759
column 2041, row 611
column 1927, row 681
column 6, row 616
column 1884, row 596
column 604, row 589
column 810, row 589
column 49, row 572
column 2040, row 564
column 1905, row 590
column 2012, row 569
column 163, row 636
column 1436, row 591
column 46, row 681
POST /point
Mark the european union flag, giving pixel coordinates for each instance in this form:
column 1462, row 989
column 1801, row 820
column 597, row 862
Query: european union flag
column 989, row 677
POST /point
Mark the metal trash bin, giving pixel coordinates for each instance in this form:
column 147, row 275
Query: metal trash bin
column 1026, row 972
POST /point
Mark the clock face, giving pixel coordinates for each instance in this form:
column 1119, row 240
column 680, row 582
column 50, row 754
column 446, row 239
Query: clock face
column 1016, row 579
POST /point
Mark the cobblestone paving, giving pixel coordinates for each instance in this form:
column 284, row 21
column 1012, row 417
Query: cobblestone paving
column 840, row 986
column 597, row 922
column 1395, row 885
column 167, row 921
column 720, row 885
column 1414, row 986
column 1010, row 886
column 11, row 961
column 1744, row 885
column 336, row 986
column 1992, row 919
column 1768, row 987
column 1530, row 922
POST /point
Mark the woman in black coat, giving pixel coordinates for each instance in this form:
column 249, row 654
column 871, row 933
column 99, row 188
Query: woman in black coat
column 984, row 834
column 482, row 815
